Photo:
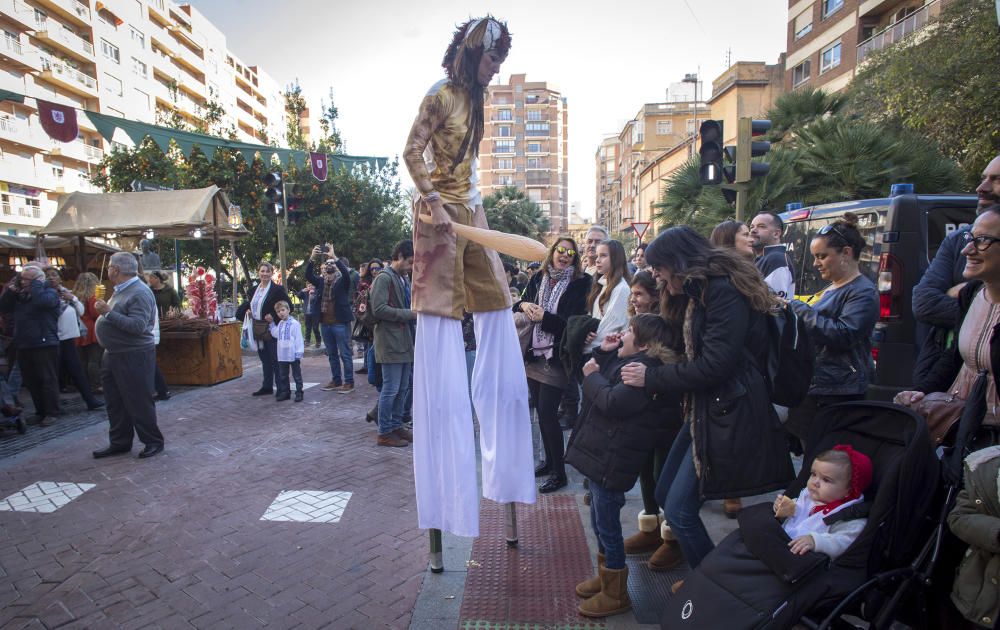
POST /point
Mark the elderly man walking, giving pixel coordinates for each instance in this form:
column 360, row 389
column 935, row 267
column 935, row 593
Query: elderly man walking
column 125, row 331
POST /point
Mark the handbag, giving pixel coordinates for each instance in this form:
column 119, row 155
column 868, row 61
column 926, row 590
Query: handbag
column 261, row 330
column 942, row 412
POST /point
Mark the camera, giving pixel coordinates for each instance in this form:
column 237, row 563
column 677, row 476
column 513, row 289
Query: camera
column 324, row 248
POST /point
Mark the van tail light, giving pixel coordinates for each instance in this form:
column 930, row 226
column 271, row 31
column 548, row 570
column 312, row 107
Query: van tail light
column 875, row 354
column 890, row 278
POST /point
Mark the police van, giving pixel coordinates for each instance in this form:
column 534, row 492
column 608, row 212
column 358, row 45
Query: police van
column 903, row 234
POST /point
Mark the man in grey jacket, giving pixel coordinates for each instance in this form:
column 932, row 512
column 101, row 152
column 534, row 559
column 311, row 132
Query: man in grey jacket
column 125, row 331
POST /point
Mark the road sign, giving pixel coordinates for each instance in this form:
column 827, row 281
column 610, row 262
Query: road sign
column 141, row 186
column 640, row 228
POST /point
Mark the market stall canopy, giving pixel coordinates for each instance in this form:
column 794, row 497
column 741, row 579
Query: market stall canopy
column 169, row 213
column 29, row 244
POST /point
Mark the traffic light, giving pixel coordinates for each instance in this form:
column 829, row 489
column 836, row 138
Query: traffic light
column 747, row 148
column 296, row 203
column 275, row 192
column 711, row 170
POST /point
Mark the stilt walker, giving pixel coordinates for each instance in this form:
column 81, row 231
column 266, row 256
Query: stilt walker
column 452, row 274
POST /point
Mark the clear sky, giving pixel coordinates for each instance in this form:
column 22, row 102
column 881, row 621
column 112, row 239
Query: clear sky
column 607, row 58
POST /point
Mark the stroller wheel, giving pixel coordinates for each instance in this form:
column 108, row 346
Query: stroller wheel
column 22, row 427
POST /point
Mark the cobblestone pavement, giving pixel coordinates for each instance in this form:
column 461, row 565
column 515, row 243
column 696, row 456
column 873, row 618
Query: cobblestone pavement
column 261, row 514
column 178, row 541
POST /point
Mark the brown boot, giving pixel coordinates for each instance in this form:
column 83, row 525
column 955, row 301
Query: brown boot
column 667, row 557
column 591, row 586
column 648, row 539
column 391, row 439
column 613, row 598
column 732, row 507
column 676, row 586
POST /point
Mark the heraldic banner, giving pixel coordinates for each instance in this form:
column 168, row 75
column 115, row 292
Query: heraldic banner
column 59, row 121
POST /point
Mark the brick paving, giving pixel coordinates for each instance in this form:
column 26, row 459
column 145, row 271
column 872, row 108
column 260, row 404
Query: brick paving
column 177, row 541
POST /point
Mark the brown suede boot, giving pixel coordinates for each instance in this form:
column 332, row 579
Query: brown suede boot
column 613, row 598
column 648, row 538
column 731, row 507
column 591, row 586
column 668, row 556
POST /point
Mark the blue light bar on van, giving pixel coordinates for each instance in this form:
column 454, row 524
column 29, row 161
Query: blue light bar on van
column 798, row 215
column 793, row 205
column 900, row 189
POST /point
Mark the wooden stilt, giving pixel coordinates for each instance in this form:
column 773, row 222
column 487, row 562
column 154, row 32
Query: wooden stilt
column 437, row 556
column 511, row 525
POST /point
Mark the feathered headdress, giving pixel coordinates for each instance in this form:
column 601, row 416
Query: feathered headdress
column 461, row 64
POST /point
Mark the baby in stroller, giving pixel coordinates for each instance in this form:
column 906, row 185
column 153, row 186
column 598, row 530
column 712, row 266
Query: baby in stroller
column 837, row 480
column 770, row 574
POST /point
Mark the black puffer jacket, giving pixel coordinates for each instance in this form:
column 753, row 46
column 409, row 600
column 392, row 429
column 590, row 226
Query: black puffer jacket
column 36, row 315
column 620, row 425
column 841, row 325
column 276, row 293
column 573, row 301
column 740, row 445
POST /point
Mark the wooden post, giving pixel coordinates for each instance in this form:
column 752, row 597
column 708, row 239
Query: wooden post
column 81, row 254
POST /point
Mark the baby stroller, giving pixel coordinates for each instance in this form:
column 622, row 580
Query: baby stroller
column 752, row 580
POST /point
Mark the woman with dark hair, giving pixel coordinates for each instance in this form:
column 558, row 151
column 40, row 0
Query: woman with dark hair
column 840, row 323
column 733, row 234
column 639, row 257
column 552, row 296
column 257, row 314
column 977, row 344
column 166, row 296
column 733, row 443
column 608, row 299
column 71, row 309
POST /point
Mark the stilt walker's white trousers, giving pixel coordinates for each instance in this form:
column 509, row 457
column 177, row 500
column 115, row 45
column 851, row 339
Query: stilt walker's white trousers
column 444, row 453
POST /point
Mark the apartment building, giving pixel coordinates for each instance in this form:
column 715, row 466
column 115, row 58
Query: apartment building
column 656, row 129
column 525, row 144
column 138, row 59
column 663, row 137
column 828, row 39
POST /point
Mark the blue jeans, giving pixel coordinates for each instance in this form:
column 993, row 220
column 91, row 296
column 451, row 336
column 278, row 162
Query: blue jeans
column 605, row 518
column 337, row 339
column 392, row 398
column 679, row 493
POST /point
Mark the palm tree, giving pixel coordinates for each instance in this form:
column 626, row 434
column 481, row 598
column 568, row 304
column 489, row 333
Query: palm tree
column 509, row 210
column 795, row 110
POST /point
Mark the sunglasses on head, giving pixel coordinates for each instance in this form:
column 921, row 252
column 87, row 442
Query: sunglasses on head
column 826, row 229
column 563, row 250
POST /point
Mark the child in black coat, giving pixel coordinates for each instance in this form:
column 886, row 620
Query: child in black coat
column 618, row 429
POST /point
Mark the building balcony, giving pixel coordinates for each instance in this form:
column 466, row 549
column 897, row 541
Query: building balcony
column 159, row 7
column 899, row 30
column 77, row 150
column 20, row 55
column 72, row 10
column 69, row 78
column 19, row 132
column 55, row 35
column 24, row 174
column 19, row 13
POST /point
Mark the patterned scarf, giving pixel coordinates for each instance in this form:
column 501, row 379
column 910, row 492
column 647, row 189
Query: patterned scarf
column 554, row 284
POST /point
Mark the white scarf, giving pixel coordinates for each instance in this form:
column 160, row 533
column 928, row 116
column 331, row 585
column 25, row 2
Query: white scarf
column 257, row 302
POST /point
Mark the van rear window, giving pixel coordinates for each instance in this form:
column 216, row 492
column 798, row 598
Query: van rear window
column 799, row 235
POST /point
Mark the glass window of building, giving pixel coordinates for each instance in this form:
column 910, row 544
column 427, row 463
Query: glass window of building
column 534, row 114
column 139, row 68
column 534, row 147
column 112, row 85
column 536, row 129
column 829, row 58
column 110, row 51
column 137, row 36
column 804, row 23
column 504, row 114
column 505, row 164
column 800, row 73
column 829, row 6
column 504, row 131
column 664, row 127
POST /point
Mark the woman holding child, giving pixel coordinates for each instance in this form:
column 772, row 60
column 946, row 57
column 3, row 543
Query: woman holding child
column 732, row 443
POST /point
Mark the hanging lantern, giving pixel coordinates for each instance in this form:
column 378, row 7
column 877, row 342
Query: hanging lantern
column 196, row 233
column 150, row 234
column 235, row 217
